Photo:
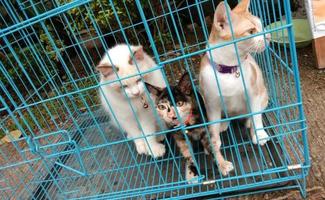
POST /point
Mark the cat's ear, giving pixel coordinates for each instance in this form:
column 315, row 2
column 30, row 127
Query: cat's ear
column 242, row 6
column 220, row 16
column 105, row 69
column 153, row 89
column 185, row 85
column 138, row 54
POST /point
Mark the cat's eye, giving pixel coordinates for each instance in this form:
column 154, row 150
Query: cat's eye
column 252, row 31
column 161, row 107
column 180, row 103
column 124, row 86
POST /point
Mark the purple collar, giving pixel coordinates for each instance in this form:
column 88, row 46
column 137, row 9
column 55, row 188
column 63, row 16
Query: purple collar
column 224, row 69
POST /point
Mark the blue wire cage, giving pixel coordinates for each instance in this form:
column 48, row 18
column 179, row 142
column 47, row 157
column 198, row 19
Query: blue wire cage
column 68, row 149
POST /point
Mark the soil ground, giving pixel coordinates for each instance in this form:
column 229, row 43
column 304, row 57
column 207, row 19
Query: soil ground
column 313, row 91
column 313, row 87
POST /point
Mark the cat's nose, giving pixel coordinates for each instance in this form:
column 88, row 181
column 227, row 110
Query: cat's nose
column 136, row 93
column 171, row 114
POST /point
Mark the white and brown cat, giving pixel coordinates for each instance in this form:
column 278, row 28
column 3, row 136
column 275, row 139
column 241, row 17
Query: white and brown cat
column 117, row 97
column 225, row 65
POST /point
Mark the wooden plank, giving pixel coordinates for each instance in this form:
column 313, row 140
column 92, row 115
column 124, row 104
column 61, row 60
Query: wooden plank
column 316, row 15
column 319, row 52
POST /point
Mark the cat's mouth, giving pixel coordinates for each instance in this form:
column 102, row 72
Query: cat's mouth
column 175, row 123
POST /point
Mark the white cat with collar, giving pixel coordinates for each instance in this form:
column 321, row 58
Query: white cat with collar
column 143, row 122
column 224, row 66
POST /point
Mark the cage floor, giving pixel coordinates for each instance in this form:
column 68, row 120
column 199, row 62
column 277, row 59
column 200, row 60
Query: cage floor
column 116, row 171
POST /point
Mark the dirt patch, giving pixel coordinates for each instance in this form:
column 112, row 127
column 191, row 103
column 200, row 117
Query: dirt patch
column 313, row 88
column 313, row 92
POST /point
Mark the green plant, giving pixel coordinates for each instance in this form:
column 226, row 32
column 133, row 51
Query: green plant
column 50, row 46
column 51, row 38
column 100, row 14
column 97, row 13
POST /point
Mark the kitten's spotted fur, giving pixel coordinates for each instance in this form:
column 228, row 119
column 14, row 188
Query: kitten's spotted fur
column 188, row 109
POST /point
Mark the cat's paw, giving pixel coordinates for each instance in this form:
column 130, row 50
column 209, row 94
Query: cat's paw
column 157, row 150
column 192, row 178
column 262, row 137
column 141, row 147
column 225, row 167
column 224, row 126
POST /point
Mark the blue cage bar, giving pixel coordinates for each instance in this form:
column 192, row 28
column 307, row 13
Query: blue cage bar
column 68, row 148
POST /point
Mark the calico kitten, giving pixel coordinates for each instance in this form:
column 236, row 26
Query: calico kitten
column 226, row 67
column 188, row 109
column 118, row 97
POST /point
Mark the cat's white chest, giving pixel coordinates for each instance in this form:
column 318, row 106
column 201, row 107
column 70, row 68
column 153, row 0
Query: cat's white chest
column 231, row 88
column 229, row 84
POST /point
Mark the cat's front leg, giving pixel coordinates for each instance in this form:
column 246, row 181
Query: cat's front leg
column 214, row 113
column 224, row 126
column 224, row 166
column 133, row 131
column 154, row 148
column 205, row 142
column 160, row 138
column 190, row 170
column 258, row 103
